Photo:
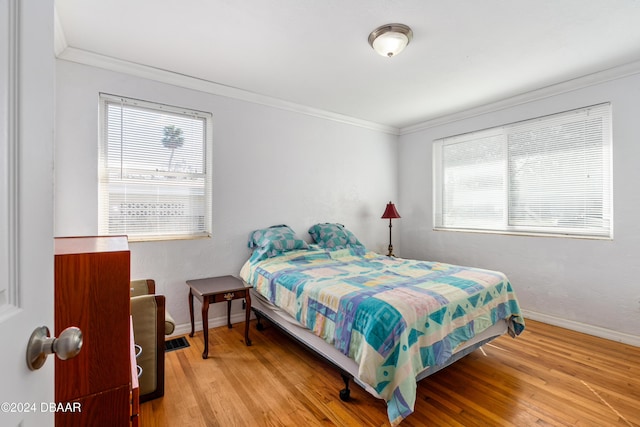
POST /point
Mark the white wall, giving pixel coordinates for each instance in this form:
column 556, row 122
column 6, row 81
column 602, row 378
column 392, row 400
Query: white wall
column 275, row 166
column 588, row 285
column 271, row 166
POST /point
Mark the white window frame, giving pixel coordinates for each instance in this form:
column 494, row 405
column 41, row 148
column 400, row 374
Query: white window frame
column 490, row 209
column 153, row 204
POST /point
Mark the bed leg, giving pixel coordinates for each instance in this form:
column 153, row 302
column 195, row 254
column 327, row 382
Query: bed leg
column 345, row 393
column 259, row 325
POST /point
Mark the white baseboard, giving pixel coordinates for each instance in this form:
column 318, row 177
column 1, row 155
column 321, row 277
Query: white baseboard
column 584, row 328
column 214, row 322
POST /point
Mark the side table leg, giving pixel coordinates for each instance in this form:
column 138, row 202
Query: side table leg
column 229, row 314
column 191, row 312
column 205, row 326
column 246, row 319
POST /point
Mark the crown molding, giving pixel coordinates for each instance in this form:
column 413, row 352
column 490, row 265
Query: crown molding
column 80, row 56
column 59, row 39
column 65, row 52
column 534, row 95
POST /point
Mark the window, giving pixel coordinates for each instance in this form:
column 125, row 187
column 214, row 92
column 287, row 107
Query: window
column 154, row 170
column 550, row 175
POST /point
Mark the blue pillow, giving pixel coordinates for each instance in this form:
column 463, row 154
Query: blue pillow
column 334, row 236
column 273, row 241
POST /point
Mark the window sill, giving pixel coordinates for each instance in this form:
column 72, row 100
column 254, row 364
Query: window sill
column 524, row 233
column 167, row 238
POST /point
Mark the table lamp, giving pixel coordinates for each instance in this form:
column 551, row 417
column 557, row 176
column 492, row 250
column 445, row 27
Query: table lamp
column 390, row 212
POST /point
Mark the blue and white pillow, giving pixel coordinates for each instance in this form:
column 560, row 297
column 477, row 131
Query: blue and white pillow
column 333, row 236
column 273, row 241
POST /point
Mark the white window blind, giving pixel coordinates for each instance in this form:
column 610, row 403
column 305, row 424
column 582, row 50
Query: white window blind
column 550, row 175
column 154, row 170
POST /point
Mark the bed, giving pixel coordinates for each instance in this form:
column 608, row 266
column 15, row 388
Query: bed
column 386, row 322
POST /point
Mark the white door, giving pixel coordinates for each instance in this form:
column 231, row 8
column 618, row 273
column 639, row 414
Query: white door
column 26, row 206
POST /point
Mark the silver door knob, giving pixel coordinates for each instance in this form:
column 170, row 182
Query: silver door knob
column 40, row 345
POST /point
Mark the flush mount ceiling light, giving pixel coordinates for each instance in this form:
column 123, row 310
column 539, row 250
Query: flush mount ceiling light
column 390, row 39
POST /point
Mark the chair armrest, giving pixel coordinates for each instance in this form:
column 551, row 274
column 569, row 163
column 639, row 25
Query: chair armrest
column 142, row 287
column 148, row 315
column 169, row 323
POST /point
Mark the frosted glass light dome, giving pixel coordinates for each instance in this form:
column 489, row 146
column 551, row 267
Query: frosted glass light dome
column 391, row 39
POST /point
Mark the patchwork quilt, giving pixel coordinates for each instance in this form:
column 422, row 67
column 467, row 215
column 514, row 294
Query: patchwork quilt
column 394, row 317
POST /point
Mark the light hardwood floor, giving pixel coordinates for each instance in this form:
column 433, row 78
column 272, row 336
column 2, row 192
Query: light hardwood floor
column 547, row 376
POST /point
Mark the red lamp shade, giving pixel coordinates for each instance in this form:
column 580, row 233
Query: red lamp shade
column 390, row 212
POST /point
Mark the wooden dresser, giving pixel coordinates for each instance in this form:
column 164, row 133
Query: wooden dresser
column 92, row 293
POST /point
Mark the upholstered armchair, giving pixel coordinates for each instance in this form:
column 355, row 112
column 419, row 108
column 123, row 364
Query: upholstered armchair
column 151, row 323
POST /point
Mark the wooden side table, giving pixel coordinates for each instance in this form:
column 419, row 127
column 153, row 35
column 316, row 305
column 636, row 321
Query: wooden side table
column 218, row 289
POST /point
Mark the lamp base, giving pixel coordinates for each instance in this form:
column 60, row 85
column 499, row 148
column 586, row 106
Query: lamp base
column 391, row 251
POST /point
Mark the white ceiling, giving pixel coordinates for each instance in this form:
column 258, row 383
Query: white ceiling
column 464, row 53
